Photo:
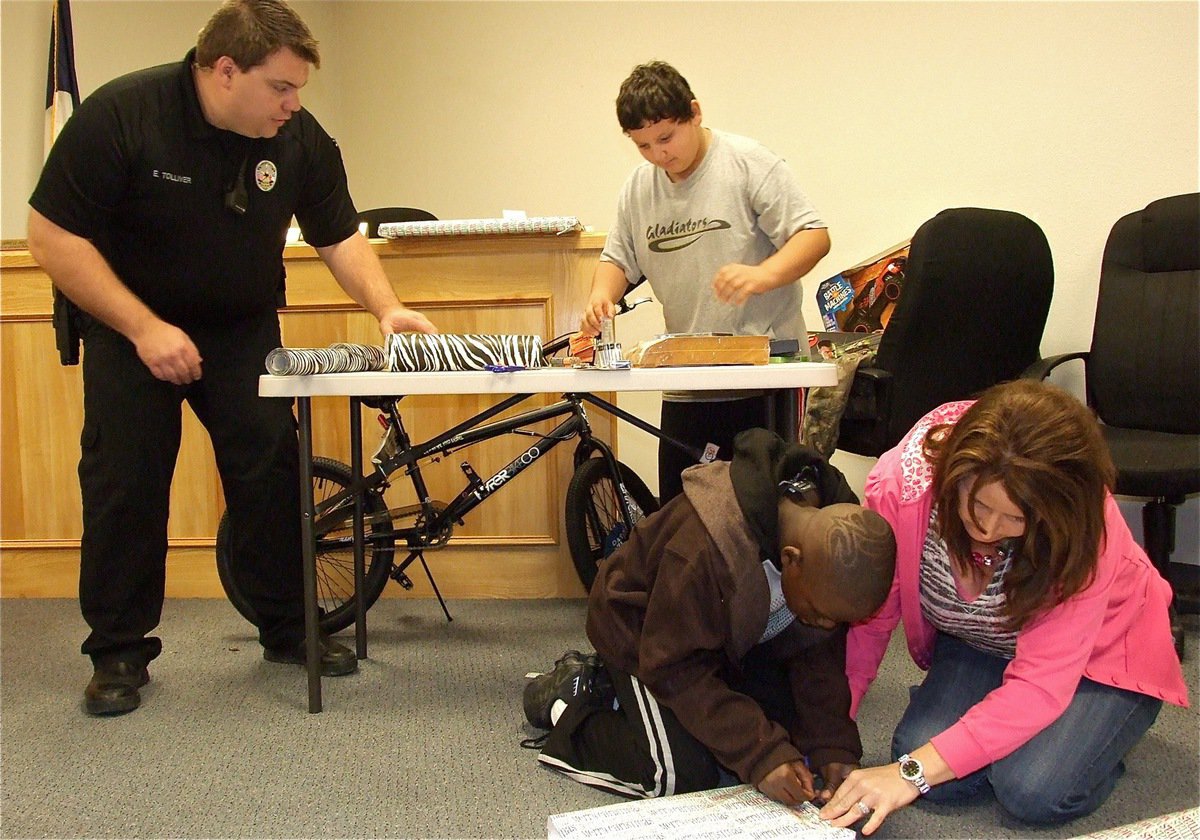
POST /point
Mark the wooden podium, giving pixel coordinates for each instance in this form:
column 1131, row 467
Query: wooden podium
column 511, row 548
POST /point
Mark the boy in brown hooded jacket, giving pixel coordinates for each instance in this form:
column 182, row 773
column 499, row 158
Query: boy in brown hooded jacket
column 721, row 626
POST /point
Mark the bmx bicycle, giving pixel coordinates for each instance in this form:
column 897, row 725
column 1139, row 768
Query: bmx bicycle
column 604, row 499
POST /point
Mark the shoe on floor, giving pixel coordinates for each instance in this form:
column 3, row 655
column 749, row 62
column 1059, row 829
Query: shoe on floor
column 336, row 659
column 576, row 677
column 113, row 689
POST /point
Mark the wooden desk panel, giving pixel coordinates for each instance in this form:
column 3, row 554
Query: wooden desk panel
column 510, row 548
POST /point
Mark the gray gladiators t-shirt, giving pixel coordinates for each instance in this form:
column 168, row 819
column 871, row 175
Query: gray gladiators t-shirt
column 740, row 206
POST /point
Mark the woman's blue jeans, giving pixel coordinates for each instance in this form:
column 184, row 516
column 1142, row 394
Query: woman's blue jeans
column 1065, row 771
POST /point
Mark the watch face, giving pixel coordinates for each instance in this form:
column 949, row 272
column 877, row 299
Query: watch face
column 910, row 769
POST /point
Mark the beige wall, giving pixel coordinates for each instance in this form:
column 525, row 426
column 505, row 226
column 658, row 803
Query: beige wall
column 1072, row 113
column 111, row 37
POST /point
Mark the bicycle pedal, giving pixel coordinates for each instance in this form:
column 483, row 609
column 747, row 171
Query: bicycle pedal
column 403, row 579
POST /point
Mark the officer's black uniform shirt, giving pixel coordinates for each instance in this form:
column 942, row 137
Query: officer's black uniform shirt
column 139, row 172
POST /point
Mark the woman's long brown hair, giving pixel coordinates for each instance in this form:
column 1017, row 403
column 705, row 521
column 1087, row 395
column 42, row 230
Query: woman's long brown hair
column 1046, row 450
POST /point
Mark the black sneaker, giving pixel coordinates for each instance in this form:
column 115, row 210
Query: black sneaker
column 575, row 677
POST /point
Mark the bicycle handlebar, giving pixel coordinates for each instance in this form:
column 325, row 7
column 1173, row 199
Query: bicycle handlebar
column 552, row 347
column 623, row 306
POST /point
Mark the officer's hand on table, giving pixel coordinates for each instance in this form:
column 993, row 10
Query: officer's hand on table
column 790, row 783
column 736, row 283
column 833, row 774
column 168, row 352
column 402, row 319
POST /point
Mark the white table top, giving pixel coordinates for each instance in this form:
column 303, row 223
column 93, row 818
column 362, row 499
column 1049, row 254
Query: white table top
column 553, row 380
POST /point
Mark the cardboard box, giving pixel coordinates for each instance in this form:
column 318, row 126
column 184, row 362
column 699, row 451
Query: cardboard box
column 861, row 298
column 831, row 346
column 689, row 350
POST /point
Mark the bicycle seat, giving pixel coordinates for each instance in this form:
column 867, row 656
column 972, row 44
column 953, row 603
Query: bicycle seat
column 380, row 402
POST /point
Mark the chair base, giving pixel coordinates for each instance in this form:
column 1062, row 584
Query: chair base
column 1178, row 637
column 1158, row 536
column 1185, row 581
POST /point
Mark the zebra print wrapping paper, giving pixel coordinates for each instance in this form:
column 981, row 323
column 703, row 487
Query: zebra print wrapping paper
column 336, row 358
column 418, row 352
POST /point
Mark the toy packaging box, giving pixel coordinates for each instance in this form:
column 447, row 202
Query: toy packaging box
column 829, row 346
column 861, row 298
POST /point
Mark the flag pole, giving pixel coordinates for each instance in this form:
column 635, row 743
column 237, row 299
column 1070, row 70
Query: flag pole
column 62, row 84
column 62, row 98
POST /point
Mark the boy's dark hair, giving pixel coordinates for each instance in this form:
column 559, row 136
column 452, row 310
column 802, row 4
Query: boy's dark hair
column 860, row 553
column 654, row 91
column 250, row 30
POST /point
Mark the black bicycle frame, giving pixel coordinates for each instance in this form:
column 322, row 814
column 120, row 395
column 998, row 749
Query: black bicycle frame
column 470, row 431
column 477, row 489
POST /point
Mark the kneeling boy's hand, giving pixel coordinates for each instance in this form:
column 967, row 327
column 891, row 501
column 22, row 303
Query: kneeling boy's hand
column 833, row 774
column 790, row 783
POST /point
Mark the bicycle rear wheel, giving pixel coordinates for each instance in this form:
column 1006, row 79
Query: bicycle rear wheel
column 594, row 521
column 335, row 550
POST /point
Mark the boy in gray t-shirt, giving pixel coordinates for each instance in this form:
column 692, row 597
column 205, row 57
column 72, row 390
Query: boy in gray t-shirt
column 720, row 228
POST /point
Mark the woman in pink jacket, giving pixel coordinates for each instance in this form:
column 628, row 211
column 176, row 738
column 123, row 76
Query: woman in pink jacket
column 1041, row 623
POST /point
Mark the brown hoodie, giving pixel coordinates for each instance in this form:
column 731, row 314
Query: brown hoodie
column 681, row 603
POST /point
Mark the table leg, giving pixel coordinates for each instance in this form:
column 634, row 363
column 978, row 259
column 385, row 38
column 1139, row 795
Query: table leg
column 787, row 407
column 783, row 413
column 360, row 608
column 312, row 644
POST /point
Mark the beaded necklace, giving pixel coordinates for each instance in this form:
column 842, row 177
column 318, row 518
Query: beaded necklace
column 1005, row 549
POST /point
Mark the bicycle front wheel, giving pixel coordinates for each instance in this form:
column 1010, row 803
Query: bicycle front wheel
column 335, row 550
column 594, row 521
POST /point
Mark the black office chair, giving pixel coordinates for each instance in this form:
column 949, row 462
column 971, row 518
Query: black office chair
column 379, row 215
column 971, row 312
column 1142, row 373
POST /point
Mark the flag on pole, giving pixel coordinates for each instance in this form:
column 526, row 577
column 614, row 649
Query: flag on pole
column 62, row 86
column 62, row 97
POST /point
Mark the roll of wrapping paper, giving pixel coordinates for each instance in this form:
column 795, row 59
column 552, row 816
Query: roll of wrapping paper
column 336, row 358
column 480, row 227
column 417, row 352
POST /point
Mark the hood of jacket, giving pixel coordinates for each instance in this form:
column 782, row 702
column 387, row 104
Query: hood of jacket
column 761, row 460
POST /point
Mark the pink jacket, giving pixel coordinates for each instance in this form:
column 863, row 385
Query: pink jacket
column 1115, row 632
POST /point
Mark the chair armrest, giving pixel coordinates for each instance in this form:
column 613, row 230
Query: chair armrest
column 864, row 422
column 870, row 395
column 1041, row 368
column 877, row 375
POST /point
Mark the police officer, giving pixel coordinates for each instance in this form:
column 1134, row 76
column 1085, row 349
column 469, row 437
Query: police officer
column 162, row 213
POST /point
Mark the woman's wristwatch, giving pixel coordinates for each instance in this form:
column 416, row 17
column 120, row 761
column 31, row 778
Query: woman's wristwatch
column 911, row 770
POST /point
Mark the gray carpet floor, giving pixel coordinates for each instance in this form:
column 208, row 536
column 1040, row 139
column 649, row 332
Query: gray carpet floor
column 422, row 742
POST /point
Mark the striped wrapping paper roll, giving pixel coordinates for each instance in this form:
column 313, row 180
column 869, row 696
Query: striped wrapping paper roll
column 411, row 352
column 336, row 358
